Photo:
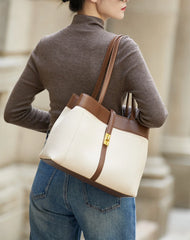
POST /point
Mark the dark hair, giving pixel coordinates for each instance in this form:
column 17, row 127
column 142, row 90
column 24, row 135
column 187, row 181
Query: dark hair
column 75, row 5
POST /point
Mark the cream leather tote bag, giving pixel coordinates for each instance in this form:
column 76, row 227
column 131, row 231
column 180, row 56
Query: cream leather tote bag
column 95, row 144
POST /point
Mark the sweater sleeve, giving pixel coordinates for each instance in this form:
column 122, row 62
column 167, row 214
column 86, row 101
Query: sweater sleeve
column 138, row 80
column 19, row 108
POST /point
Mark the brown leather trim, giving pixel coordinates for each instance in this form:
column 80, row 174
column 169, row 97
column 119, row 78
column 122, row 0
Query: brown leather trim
column 103, row 69
column 73, row 101
column 122, row 123
column 130, row 125
column 109, row 70
column 104, row 66
column 100, row 164
column 86, row 180
column 104, row 148
column 94, row 107
column 111, row 122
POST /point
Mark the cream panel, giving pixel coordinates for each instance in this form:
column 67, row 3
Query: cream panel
column 125, row 160
column 63, row 131
column 86, row 145
column 61, row 116
column 78, row 135
column 70, row 144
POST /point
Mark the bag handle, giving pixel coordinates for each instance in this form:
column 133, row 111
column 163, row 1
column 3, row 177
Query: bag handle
column 109, row 69
column 130, row 112
column 108, row 62
column 104, row 66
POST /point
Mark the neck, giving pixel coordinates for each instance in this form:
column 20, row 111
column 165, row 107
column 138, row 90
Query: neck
column 90, row 9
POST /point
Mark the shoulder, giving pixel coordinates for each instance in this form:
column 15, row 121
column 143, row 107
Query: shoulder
column 127, row 43
column 49, row 41
column 128, row 50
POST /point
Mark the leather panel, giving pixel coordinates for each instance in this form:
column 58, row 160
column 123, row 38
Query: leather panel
column 72, row 150
column 84, row 179
column 103, row 114
column 70, row 140
column 76, row 139
column 123, row 161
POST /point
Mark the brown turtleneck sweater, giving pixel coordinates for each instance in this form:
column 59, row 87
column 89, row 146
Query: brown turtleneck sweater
column 69, row 61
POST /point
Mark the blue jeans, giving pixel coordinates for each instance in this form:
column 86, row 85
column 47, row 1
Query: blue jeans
column 61, row 206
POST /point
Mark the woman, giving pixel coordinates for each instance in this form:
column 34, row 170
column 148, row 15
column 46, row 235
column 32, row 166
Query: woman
column 67, row 62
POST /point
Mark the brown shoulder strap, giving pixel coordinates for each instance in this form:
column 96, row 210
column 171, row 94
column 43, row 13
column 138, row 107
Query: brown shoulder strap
column 109, row 69
column 103, row 69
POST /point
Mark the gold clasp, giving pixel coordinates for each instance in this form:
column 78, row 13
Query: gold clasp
column 107, row 139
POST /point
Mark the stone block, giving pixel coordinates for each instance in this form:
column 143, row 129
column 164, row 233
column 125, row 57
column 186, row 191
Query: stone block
column 17, row 34
column 15, row 31
column 176, row 146
column 4, row 10
column 180, row 168
column 156, row 167
column 48, row 16
column 27, row 173
column 147, row 230
column 11, row 204
column 154, row 201
column 16, row 142
column 10, row 70
column 8, row 136
column 31, row 142
column 178, row 225
column 29, row 146
column 15, row 184
column 11, row 225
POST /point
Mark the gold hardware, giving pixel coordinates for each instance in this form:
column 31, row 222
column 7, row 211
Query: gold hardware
column 107, row 139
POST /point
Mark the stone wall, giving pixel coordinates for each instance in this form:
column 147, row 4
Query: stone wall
column 176, row 139
column 23, row 23
column 153, row 26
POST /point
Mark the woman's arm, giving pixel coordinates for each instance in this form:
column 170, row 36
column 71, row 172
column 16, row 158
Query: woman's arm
column 138, row 80
column 19, row 110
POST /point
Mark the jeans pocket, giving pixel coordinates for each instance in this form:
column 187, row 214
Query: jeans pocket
column 42, row 181
column 98, row 199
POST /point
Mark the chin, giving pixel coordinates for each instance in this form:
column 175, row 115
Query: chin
column 118, row 17
column 115, row 16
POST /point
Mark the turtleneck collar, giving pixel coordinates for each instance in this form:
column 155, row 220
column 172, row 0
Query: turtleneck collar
column 87, row 20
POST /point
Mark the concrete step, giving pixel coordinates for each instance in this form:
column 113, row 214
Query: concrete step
column 178, row 225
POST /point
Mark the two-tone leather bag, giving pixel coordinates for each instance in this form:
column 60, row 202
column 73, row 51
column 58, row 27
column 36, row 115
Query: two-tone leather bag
column 97, row 145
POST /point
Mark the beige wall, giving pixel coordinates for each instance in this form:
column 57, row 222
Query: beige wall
column 19, row 148
column 176, row 139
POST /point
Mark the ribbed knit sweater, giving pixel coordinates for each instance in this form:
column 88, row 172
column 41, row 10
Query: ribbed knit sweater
column 69, row 61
